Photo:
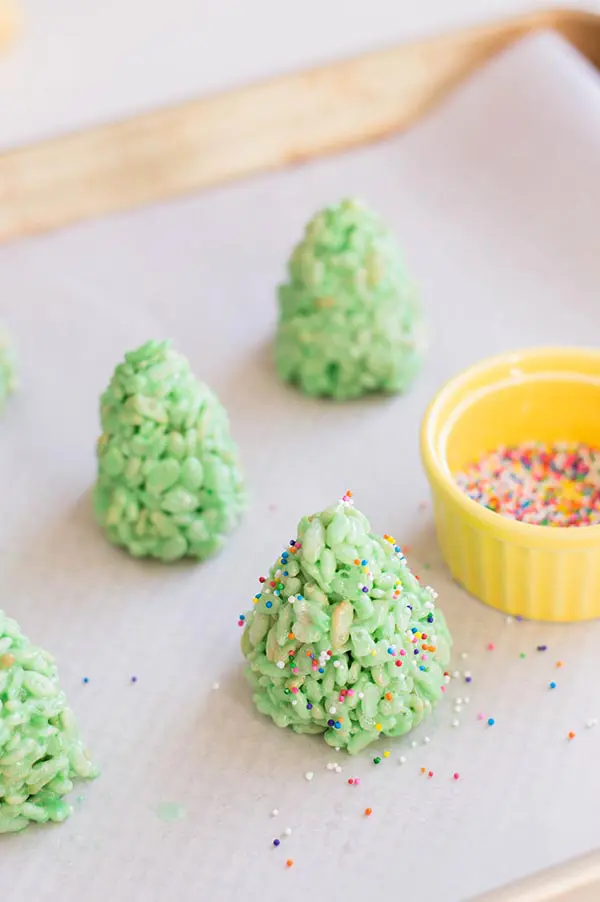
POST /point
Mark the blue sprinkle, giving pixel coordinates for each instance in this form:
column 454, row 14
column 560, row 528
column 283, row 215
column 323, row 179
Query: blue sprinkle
column 365, row 589
column 242, row 617
column 491, row 721
column 309, row 706
column 285, row 573
column 413, row 629
column 422, row 667
column 553, row 685
column 430, row 618
column 364, row 563
column 276, row 592
column 331, row 723
column 390, row 650
column 409, row 607
column 276, row 842
column 259, row 595
column 416, row 651
column 269, row 604
column 396, row 548
column 321, row 670
column 85, row 680
column 300, row 597
column 337, row 725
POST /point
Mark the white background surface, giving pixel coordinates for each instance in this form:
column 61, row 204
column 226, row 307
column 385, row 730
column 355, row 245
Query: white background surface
column 80, row 62
column 495, row 198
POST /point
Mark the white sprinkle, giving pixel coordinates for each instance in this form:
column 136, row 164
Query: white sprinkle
column 338, row 769
column 455, row 674
column 337, row 748
column 459, row 701
column 361, row 695
column 287, row 831
column 456, row 723
column 333, row 709
column 295, row 701
column 458, row 708
column 336, row 663
column 308, row 775
column 426, row 739
column 464, row 656
column 330, row 765
column 466, row 674
column 216, row 685
column 281, row 665
column 466, row 699
column 275, row 812
column 413, row 744
column 592, row 722
column 509, row 620
column 402, row 759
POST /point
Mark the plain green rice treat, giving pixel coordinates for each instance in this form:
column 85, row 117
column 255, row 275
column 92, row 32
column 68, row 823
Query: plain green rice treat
column 41, row 752
column 349, row 317
column 169, row 483
column 8, row 380
column 342, row 638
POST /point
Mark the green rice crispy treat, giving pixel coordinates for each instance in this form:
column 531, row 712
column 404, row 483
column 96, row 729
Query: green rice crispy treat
column 41, row 752
column 169, row 483
column 8, row 380
column 349, row 317
column 342, row 638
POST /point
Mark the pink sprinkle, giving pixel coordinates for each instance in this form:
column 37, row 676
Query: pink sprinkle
column 294, row 689
column 402, row 652
column 356, row 781
column 490, row 646
column 424, row 657
column 295, row 670
column 456, row 776
column 480, row 716
column 443, row 688
column 350, row 692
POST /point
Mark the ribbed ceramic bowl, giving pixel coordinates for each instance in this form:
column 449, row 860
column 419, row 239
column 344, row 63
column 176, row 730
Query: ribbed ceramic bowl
column 540, row 394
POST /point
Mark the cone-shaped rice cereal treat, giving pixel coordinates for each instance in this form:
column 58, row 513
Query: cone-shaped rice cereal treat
column 342, row 638
column 349, row 317
column 8, row 380
column 41, row 752
column 169, row 483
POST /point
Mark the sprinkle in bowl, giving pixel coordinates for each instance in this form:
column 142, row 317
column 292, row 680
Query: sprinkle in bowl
column 547, row 395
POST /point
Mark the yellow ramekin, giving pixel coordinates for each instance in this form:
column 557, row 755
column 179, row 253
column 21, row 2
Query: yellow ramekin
column 539, row 394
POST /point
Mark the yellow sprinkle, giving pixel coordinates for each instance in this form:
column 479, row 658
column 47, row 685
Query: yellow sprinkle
column 386, row 754
column 378, row 726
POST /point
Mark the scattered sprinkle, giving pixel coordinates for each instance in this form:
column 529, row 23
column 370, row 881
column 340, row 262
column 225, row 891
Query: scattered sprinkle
column 552, row 684
column 491, row 721
column 287, row 831
column 276, row 842
column 289, row 863
column 85, row 680
column 216, row 685
column 308, row 775
column 571, row 735
column 368, row 812
column 592, row 722
column 542, row 648
column 134, row 679
column 402, row 759
column 455, row 776
column 275, row 812
column 490, row 646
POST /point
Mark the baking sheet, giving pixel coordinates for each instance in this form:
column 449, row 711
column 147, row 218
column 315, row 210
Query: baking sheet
column 495, row 198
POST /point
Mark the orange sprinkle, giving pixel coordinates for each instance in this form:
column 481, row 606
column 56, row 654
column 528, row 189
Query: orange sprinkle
column 289, row 863
column 356, row 560
column 571, row 735
column 7, row 661
column 291, row 636
column 559, row 663
column 389, row 696
column 368, row 812
column 423, row 770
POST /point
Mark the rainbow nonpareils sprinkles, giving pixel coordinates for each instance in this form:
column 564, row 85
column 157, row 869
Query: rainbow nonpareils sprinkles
column 545, row 485
column 342, row 639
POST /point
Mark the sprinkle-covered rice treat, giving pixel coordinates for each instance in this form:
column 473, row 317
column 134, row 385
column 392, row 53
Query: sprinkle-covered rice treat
column 349, row 317
column 41, row 752
column 169, row 482
column 342, row 639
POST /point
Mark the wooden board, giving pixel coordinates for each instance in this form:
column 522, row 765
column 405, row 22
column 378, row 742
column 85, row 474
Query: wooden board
column 205, row 142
